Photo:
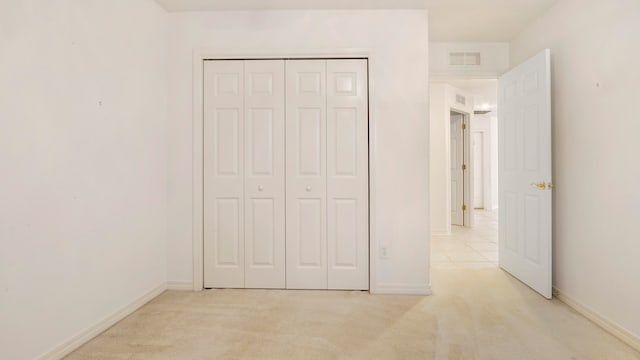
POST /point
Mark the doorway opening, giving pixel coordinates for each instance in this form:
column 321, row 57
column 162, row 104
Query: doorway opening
column 524, row 147
column 464, row 139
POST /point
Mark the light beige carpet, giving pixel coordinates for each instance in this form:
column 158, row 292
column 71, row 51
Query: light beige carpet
column 473, row 314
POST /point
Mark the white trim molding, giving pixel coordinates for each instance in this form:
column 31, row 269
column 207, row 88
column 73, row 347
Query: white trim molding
column 180, row 285
column 403, row 289
column 89, row 333
column 199, row 56
column 614, row 329
column 440, row 232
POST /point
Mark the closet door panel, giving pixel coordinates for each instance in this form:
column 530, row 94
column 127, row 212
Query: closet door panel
column 223, row 174
column 286, row 182
column 347, row 174
column 306, row 225
column 264, row 174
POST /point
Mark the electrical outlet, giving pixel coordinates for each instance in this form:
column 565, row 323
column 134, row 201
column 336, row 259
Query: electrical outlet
column 384, row 251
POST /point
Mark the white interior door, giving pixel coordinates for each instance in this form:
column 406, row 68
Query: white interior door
column 457, row 174
column 306, row 178
column 347, row 175
column 524, row 135
column 264, row 186
column 223, row 174
column 478, row 170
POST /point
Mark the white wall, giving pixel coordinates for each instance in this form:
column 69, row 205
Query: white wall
column 594, row 51
column 494, row 60
column 82, row 185
column 399, row 42
column 439, row 183
column 442, row 99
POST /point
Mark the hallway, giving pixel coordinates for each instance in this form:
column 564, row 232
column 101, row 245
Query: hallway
column 468, row 248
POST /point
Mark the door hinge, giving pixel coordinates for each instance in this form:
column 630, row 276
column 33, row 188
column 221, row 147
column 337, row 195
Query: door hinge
column 464, row 167
column 464, row 207
column 464, row 126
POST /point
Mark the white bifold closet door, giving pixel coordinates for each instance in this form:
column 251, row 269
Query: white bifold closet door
column 320, row 185
column 327, row 174
column 264, row 174
column 244, row 227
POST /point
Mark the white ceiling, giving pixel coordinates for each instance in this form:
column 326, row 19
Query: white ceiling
column 449, row 20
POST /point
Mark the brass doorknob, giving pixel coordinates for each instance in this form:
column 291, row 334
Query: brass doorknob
column 540, row 186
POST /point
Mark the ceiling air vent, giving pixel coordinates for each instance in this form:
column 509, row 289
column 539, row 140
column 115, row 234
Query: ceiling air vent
column 461, row 99
column 464, row 58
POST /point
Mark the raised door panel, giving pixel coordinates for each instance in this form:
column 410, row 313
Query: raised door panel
column 309, row 146
column 306, row 250
column 264, row 174
column 226, row 225
column 347, row 175
column 309, row 242
column 262, row 238
column 223, row 174
column 260, row 133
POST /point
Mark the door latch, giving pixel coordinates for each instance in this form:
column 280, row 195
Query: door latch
column 541, row 185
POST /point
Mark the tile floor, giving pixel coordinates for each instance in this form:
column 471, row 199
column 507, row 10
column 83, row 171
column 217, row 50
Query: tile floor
column 468, row 248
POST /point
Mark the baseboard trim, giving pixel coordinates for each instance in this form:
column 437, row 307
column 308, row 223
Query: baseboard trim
column 614, row 329
column 403, row 289
column 89, row 333
column 180, row 285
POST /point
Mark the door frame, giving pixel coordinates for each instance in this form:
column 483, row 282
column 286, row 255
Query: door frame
column 199, row 56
